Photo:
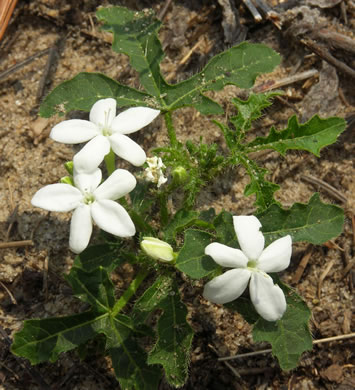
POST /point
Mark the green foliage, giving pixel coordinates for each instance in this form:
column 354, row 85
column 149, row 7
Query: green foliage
column 174, row 334
column 251, row 109
column 81, row 92
column 290, row 336
column 311, row 136
column 314, row 222
column 192, row 259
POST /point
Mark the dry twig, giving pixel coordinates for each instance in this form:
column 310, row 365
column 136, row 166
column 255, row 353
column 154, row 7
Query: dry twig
column 302, row 265
column 16, row 244
column 262, row 352
column 323, row 276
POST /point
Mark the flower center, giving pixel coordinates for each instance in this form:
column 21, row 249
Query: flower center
column 88, row 198
column 252, row 264
column 106, row 129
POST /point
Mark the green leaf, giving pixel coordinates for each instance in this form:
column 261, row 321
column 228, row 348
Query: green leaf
column 239, row 65
column 251, row 109
column 95, row 288
column 244, row 307
column 264, row 190
column 81, row 92
column 131, row 369
column 135, row 34
column 311, row 136
column 172, row 348
column 96, row 256
column 192, row 259
column 314, row 222
column 42, row 340
column 226, row 235
column 181, row 220
column 290, row 336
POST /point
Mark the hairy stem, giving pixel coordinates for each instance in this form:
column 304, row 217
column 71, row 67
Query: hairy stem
column 127, row 295
column 171, row 130
column 110, row 162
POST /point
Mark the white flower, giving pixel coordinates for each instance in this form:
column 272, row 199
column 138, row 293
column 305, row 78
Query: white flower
column 105, row 130
column 250, row 263
column 157, row 249
column 154, row 171
column 90, row 201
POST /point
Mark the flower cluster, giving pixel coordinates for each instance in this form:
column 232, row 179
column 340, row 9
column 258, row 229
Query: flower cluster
column 250, row 265
column 154, row 172
column 90, row 200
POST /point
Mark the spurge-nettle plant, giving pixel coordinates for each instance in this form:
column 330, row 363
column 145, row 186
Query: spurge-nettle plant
column 227, row 251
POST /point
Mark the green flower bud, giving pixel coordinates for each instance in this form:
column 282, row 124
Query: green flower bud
column 69, row 166
column 157, row 249
column 67, row 180
column 180, row 175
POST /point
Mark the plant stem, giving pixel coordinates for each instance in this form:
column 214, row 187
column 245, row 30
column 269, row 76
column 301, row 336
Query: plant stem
column 127, row 295
column 110, row 162
column 163, row 203
column 171, row 130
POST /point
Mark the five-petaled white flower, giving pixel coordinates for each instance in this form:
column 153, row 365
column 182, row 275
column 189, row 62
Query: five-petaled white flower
column 154, row 171
column 105, row 130
column 90, row 201
column 250, row 263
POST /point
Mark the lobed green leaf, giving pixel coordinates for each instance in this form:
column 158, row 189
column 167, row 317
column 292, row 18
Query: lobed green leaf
column 192, row 259
column 82, row 91
column 290, row 336
column 311, row 136
column 314, row 222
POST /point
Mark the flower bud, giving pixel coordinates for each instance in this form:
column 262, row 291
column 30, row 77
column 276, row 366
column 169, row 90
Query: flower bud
column 67, row 180
column 69, row 166
column 157, row 249
column 180, row 175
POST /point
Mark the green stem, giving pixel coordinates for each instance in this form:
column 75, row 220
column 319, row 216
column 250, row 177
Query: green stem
column 163, row 203
column 127, row 295
column 110, row 162
column 171, row 130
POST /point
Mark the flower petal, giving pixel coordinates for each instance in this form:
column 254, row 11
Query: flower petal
column 228, row 286
column 112, row 218
column 103, row 112
column 133, row 119
column 118, row 184
column 91, row 155
column 250, row 238
column 276, row 257
column 74, row 131
column 87, row 182
column 226, row 256
column 57, row 197
column 268, row 299
column 127, row 149
column 80, row 228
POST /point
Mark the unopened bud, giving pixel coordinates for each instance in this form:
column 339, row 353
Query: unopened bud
column 67, row 180
column 180, row 175
column 157, row 249
column 69, row 166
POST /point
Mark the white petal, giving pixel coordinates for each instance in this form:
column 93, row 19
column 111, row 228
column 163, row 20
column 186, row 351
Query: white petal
column 228, row 286
column 250, row 238
column 127, row 149
column 74, row 131
column 112, row 218
column 226, row 256
column 92, row 154
column 87, row 182
column 276, row 257
column 103, row 112
column 268, row 299
column 133, row 119
column 80, row 228
column 57, row 197
column 118, row 184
